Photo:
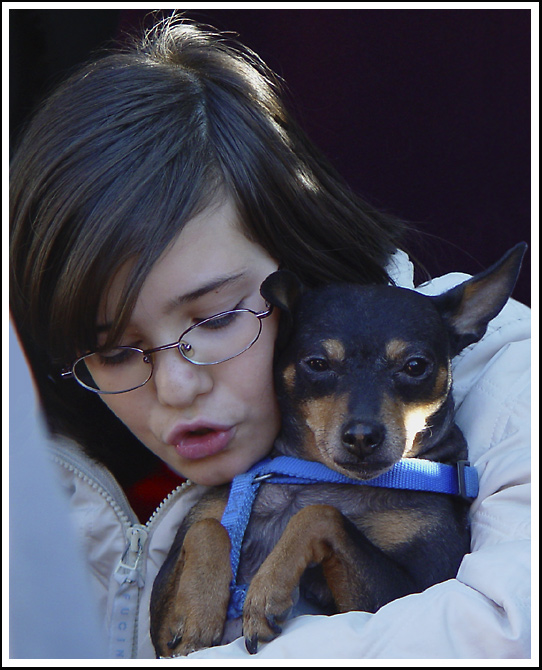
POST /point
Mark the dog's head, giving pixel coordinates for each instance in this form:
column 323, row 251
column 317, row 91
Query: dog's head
column 363, row 373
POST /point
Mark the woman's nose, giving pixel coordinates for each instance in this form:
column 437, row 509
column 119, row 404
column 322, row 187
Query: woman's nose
column 178, row 383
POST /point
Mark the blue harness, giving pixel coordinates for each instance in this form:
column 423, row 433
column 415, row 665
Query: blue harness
column 409, row 473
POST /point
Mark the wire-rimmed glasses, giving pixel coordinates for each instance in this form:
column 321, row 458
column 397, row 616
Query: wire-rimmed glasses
column 214, row 340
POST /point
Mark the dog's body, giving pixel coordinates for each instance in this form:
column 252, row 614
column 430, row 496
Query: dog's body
column 363, row 380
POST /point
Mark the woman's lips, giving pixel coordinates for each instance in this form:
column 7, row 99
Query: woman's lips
column 201, row 441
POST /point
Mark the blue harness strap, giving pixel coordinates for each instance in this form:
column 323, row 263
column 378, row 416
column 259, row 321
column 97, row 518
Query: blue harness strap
column 409, row 473
column 413, row 474
column 235, row 519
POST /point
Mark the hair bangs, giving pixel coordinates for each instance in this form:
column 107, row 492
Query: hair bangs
column 134, row 236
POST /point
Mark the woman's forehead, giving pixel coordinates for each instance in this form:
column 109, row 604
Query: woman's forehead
column 209, row 253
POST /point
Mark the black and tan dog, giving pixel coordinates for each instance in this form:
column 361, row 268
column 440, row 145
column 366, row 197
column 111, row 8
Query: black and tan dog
column 364, row 380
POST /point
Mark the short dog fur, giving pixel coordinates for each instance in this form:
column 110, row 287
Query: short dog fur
column 363, row 377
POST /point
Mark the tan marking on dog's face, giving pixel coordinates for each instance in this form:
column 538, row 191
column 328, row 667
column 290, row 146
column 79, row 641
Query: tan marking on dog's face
column 406, row 420
column 392, row 416
column 391, row 528
column 334, row 349
column 324, row 418
column 396, row 349
column 289, row 377
column 443, row 382
column 417, row 416
column 415, row 421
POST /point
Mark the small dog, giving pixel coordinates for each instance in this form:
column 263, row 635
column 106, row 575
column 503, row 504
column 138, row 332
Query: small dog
column 363, row 377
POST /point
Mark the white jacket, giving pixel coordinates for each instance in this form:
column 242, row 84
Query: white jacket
column 483, row 613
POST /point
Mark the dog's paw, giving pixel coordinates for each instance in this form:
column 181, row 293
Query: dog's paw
column 187, row 629
column 194, row 618
column 189, row 612
column 265, row 611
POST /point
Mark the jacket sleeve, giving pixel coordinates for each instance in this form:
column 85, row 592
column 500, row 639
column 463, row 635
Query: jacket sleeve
column 485, row 611
column 52, row 611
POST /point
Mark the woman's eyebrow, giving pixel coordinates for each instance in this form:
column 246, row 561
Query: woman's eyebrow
column 191, row 296
column 211, row 286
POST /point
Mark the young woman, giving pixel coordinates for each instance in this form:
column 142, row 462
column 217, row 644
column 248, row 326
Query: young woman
column 151, row 195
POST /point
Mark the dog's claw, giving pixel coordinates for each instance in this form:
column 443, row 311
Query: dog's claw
column 272, row 623
column 251, row 643
column 175, row 641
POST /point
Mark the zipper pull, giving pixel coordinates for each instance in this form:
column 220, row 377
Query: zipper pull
column 125, row 606
column 128, row 570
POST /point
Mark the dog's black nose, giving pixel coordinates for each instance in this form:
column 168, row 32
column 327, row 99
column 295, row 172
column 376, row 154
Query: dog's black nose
column 362, row 437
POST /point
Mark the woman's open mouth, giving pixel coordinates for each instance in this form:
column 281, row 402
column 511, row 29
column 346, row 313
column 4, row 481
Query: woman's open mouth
column 201, row 441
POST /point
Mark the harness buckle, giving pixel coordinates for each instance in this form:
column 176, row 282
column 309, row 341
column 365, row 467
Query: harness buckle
column 261, row 478
column 462, row 481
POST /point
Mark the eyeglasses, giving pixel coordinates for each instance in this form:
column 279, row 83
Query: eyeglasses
column 214, row 340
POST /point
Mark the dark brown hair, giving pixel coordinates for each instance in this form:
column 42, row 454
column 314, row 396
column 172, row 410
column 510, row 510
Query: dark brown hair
column 130, row 148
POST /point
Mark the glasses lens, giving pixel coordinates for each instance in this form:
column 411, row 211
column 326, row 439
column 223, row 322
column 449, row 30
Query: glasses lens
column 221, row 337
column 114, row 371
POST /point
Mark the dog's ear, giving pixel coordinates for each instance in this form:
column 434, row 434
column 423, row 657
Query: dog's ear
column 469, row 307
column 282, row 289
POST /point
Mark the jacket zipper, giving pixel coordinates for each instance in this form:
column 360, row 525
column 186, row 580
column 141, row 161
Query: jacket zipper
column 129, row 573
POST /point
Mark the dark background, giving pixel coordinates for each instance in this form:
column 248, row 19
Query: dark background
column 425, row 112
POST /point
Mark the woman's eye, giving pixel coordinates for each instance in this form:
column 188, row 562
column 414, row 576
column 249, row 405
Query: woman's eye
column 416, row 367
column 317, row 364
column 222, row 319
column 219, row 321
column 119, row 356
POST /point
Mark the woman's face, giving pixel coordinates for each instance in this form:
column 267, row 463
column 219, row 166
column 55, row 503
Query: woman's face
column 208, row 423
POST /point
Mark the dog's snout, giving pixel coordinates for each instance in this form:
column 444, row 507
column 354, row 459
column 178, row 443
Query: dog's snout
column 362, row 437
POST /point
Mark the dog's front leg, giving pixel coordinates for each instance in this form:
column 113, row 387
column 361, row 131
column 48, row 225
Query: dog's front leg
column 315, row 535
column 195, row 599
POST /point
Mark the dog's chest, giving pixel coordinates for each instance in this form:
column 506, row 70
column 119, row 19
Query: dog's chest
column 370, row 510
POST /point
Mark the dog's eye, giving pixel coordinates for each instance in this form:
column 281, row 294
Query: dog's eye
column 317, row 364
column 415, row 367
